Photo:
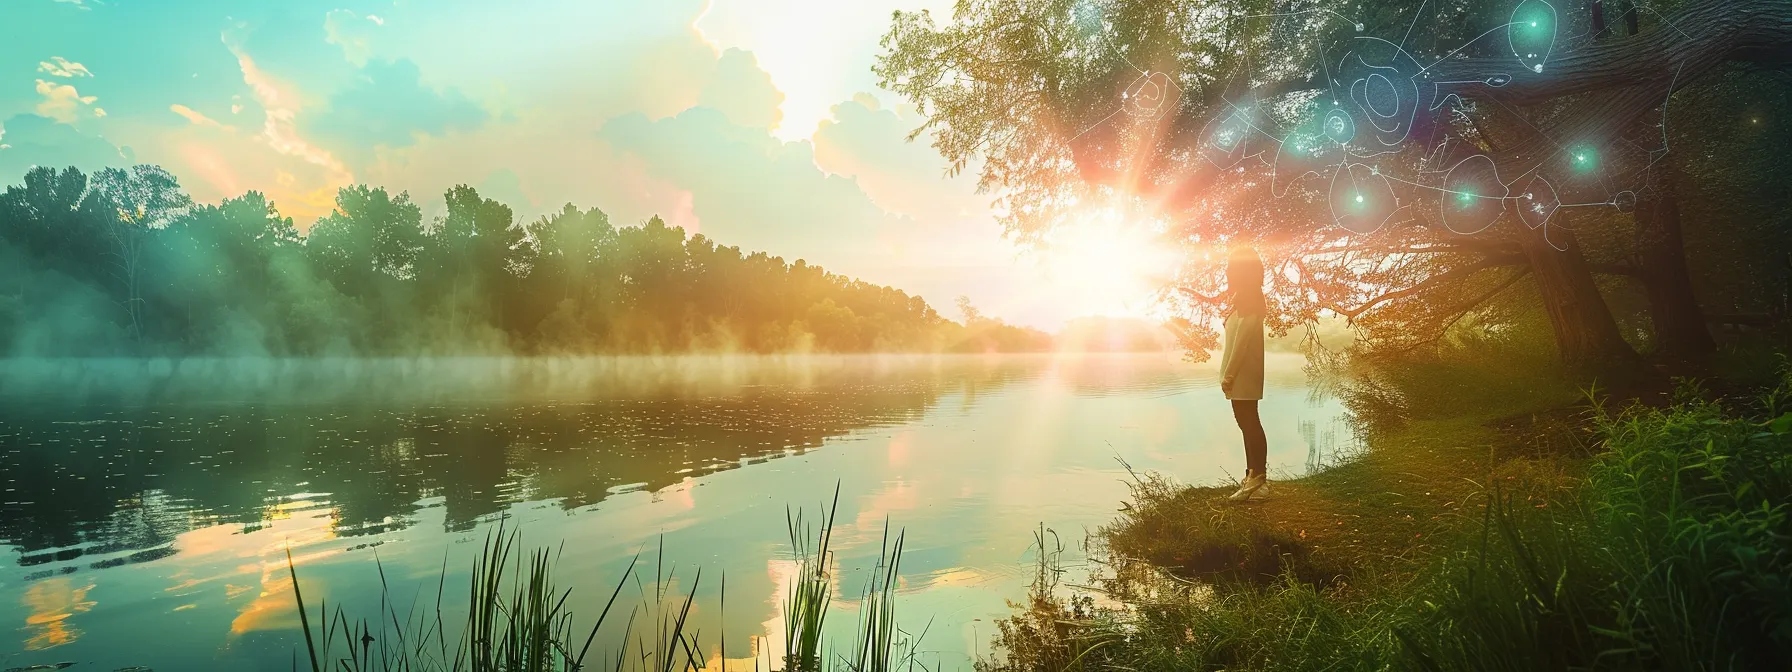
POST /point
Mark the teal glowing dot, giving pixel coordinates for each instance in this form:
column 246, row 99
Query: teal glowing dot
column 1359, row 198
column 1533, row 24
column 1583, row 159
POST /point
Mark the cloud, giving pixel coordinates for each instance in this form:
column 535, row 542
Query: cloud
column 64, row 104
column 58, row 66
column 866, row 141
column 280, row 107
column 352, row 32
column 504, row 186
column 33, row 140
column 743, row 92
column 753, row 190
column 194, row 116
column 388, row 105
column 217, row 161
column 79, row 4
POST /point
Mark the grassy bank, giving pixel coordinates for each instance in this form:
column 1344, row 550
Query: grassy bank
column 1497, row 521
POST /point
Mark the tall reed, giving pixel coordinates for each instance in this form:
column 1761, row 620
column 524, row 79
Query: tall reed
column 811, row 590
column 517, row 620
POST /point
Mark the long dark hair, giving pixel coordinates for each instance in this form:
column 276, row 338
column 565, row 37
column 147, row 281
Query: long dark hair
column 1244, row 280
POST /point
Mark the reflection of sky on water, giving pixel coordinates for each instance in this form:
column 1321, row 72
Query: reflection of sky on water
column 157, row 534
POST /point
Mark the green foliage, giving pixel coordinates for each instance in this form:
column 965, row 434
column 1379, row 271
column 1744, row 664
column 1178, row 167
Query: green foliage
column 1473, row 374
column 123, row 263
column 1697, row 504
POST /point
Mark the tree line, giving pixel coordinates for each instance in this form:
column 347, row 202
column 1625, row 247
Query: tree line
column 122, row 262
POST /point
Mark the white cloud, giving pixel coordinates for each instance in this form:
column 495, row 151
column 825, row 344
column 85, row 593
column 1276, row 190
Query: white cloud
column 819, row 52
column 63, row 103
column 198, row 118
column 80, row 4
column 280, row 105
column 741, row 91
column 58, row 66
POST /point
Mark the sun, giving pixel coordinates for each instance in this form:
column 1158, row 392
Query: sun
column 1106, row 264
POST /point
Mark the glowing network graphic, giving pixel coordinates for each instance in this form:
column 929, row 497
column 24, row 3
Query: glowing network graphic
column 1373, row 99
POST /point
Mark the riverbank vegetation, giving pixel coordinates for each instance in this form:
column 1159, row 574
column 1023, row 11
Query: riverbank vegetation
column 1509, row 528
column 123, row 263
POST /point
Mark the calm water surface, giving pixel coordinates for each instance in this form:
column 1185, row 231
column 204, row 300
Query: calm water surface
column 149, row 506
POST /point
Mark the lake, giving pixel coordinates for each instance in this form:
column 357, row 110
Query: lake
column 150, row 505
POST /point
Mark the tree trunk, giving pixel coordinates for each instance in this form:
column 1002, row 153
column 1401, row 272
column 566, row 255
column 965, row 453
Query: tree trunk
column 1680, row 328
column 1586, row 335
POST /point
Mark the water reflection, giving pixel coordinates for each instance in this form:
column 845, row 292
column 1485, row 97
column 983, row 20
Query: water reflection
column 52, row 601
column 100, row 481
column 188, row 495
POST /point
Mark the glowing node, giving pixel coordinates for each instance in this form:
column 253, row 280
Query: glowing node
column 1468, row 179
column 1359, row 198
column 1359, row 27
column 1532, row 33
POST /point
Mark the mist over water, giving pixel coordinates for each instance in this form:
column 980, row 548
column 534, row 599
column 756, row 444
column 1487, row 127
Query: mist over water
column 153, row 500
column 396, row 380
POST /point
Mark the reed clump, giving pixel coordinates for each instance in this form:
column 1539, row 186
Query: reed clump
column 518, row 620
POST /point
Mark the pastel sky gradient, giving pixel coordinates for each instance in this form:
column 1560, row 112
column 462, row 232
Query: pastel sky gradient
column 756, row 122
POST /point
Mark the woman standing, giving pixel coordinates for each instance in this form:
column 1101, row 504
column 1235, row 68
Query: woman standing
column 1241, row 365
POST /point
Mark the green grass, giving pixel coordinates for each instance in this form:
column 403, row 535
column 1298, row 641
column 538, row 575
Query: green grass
column 518, row 620
column 1652, row 537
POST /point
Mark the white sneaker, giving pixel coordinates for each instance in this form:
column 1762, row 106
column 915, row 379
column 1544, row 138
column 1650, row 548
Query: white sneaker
column 1250, row 486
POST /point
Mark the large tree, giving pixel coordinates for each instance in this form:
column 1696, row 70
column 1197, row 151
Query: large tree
column 1156, row 104
column 132, row 205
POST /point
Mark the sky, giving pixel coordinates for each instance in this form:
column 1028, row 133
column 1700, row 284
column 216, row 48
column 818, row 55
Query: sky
column 755, row 122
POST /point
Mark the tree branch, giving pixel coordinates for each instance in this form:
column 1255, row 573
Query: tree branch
column 1350, row 314
column 1639, row 73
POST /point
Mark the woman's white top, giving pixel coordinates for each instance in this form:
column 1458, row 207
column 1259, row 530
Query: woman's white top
column 1242, row 361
